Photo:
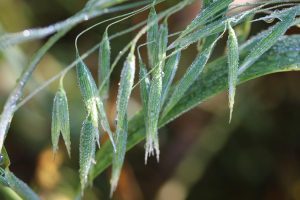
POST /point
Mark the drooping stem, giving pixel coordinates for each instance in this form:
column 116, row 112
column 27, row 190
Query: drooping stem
column 37, row 33
column 14, row 97
column 11, row 104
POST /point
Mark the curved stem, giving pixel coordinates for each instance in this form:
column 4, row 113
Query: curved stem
column 16, row 94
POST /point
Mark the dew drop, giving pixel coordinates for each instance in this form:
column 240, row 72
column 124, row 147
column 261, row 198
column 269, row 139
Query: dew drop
column 1, row 159
column 270, row 20
column 26, row 33
column 86, row 17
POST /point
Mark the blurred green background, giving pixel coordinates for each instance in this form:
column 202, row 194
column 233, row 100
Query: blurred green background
column 257, row 156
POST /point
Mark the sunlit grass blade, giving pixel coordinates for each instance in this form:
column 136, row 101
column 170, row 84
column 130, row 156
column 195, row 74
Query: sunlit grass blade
column 87, row 148
column 162, row 44
column 104, row 122
column 144, row 87
column 233, row 64
column 169, row 74
column 282, row 57
column 210, row 11
column 270, row 38
column 144, row 83
column 19, row 186
column 188, row 79
column 119, row 156
column 210, row 29
column 152, row 35
column 55, row 124
column 154, row 99
column 104, row 66
column 125, row 88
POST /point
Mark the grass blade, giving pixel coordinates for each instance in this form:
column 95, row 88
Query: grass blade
column 104, row 65
column 154, row 101
column 233, row 64
column 60, row 120
column 19, row 187
column 144, row 83
column 169, row 74
column 210, row 29
column 152, row 35
column 119, row 156
column 270, row 38
column 125, row 88
column 211, row 82
column 144, row 87
column 210, row 11
column 188, row 79
column 87, row 147
column 55, row 124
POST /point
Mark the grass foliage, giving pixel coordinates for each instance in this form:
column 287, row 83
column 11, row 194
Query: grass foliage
column 162, row 100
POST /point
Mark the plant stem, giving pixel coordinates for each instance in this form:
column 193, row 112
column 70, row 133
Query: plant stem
column 37, row 33
column 14, row 97
column 62, row 27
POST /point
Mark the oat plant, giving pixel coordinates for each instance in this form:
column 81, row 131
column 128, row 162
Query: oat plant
column 162, row 98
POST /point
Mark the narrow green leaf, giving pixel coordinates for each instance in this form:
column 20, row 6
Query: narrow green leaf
column 169, row 74
column 55, row 124
column 104, row 122
column 270, row 38
column 210, row 29
column 210, row 11
column 154, row 99
column 19, row 187
column 233, row 64
column 144, row 83
column 92, row 100
column 162, row 43
column 119, row 156
column 144, row 87
column 104, row 66
column 152, row 35
column 283, row 56
column 87, row 147
column 125, row 88
column 188, row 79
column 60, row 121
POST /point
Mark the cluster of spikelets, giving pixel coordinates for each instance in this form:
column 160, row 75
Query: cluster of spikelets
column 155, row 81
